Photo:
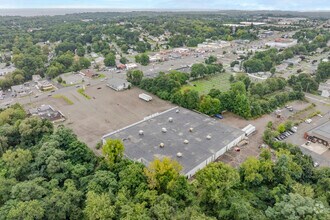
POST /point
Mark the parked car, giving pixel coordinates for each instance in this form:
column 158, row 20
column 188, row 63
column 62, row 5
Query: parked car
column 308, row 121
column 219, row 116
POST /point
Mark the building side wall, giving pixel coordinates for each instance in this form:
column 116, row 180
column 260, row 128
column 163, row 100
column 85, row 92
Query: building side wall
column 215, row 156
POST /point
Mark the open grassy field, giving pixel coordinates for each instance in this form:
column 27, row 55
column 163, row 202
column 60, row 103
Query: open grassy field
column 203, row 86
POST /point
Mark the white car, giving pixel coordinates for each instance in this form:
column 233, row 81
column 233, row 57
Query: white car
column 308, row 121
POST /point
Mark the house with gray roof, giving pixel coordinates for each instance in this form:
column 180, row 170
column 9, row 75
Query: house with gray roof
column 118, row 84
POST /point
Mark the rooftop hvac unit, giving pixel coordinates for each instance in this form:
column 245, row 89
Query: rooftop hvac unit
column 164, row 130
column 141, row 132
column 208, row 137
column 179, row 154
column 170, row 119
column 177, row 111
column 191, row 129
column 186, row 141
column 161, row 145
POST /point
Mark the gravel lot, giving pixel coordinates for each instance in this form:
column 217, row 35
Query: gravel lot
column 235, row 158
column 106, row 111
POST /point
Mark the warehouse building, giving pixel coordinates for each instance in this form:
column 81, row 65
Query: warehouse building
column 320, row 134
column 193, row 139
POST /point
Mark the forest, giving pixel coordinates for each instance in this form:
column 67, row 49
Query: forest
column 47, row 173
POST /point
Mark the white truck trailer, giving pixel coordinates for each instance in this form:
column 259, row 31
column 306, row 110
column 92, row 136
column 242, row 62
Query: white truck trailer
column 248, row 130
column 145, row 97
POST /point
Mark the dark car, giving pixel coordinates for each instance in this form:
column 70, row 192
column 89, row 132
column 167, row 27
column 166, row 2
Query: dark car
column 219, row 116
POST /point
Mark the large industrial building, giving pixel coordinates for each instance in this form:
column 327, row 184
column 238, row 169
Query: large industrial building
column 193, row 139
column 320, row 134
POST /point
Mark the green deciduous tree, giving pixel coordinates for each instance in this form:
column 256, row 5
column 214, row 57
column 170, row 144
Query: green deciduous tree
column 30, row 210
column 134, row 76
column 99, row 207
column 16, row 162
column 160, row 173
column 110, row 60
column 209, row 106
column 113, row 151
column 295, row 206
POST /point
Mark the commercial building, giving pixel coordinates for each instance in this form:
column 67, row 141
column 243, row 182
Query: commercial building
column 47, row 112
column 118, row 84
column 282, row 43
column 89, row 73
column 20, row 90
column 320, row 134
column 191, row 138
column 45, row 85
column 214, row 45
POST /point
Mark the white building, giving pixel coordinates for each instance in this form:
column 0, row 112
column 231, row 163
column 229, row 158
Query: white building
column 282, row 43
column 130, row 66
column 214, row 45
column 324, row 88
column 118, row 84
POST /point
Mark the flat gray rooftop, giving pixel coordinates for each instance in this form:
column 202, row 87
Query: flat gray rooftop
column 147, row 146
column 322, row 131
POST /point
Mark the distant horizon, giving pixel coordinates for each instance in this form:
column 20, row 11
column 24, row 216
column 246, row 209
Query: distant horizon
column 162, row 9
column 184, row 5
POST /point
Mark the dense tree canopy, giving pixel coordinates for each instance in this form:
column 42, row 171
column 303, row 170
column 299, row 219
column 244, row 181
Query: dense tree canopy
column 52, row 175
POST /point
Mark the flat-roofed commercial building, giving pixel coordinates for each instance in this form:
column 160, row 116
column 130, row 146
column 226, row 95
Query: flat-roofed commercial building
column 320, row 134
column 193, row 139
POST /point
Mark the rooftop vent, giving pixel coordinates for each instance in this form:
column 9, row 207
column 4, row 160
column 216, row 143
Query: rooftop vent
column 170, row 119
column 141, row 132
column 161, row 145
column 179, row 154
column 164, row 130
column 177, row 111
column 208, row 137
column 191, row 129
column 186, row 141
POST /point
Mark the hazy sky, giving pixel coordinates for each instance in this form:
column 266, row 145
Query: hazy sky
column 173, row 4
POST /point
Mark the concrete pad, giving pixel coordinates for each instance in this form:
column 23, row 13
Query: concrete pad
column 316, row 148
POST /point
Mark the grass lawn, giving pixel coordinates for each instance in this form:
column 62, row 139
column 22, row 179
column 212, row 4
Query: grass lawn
column 66, row 99
column 203, row 86
column 82, row 92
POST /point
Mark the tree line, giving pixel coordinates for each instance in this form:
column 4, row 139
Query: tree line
column 246, row 99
